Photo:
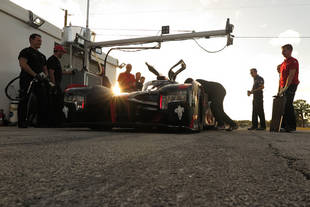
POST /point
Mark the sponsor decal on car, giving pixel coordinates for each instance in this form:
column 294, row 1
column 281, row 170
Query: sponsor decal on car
column 65, row 110
column 179, row 111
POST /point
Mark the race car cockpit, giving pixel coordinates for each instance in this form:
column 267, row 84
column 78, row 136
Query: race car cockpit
column 163, row 80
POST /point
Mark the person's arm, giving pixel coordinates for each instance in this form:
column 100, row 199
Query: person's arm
column 52, row 75
column 120, row 81
column 260, row 83
column 261, row 87
column 45, row 70
column 24, row 66
column 279, row 68
column 290, row 78
column 288, row 81
column 119, row 77
column 279, row 71
column 133, row 82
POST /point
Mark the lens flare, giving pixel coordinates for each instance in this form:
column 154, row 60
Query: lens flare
column 116, row 89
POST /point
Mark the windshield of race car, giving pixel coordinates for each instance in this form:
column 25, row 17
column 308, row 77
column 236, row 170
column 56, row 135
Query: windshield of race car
column 155, row 85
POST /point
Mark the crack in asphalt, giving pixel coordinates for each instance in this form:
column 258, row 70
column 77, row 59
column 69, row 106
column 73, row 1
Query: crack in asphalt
column 291, row 162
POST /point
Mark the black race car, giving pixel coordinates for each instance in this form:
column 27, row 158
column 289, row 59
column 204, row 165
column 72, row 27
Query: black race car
column 161, row 103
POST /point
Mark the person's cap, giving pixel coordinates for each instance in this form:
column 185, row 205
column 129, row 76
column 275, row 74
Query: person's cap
column 59, row 48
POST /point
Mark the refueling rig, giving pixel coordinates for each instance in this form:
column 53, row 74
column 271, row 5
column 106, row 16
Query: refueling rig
column 82, row 51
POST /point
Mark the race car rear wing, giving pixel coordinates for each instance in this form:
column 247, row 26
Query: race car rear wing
column 173, row 75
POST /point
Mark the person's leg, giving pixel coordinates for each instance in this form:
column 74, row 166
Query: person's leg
column 254, row 115
column 290, row 118
column 59, row 106
column 216, row 108
column 261, row 113
column 22, row 109
column 42, row 98
column 22, row 105
column 51, row 110
column 228, row 120
column 225, row 117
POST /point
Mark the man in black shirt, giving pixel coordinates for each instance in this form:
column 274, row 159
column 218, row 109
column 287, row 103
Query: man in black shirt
column 258, row 102
column 216, row 94
column 33, row 64
column 56, row 100
column 140, row 86
column 139, row 81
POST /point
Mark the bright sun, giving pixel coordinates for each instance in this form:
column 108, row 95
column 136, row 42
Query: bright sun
column 116, row 89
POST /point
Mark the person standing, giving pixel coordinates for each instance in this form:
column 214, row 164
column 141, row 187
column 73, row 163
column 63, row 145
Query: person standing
column 258, row 101
column 142, row 80
column 126, row 80
column 56, row 100
column 33, row 65
column 139, row 85
column 289, row 71
column 216, row 94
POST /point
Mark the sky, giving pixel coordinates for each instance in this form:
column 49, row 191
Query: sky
column 261, row 27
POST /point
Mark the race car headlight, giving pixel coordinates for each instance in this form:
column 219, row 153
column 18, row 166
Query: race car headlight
column 78, row 101
column 171, row 98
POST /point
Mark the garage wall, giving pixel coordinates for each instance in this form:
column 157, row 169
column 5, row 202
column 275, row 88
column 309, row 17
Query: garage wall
column 14, row 37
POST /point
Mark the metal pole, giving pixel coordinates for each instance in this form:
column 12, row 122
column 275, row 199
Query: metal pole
column 174, row 37
column 144, row 40
column 66, row 17
column 87, row 16
column 70, row 56
column 70, row 62
column 86, row 43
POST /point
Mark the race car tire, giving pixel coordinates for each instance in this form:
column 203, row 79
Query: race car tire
column 101, row 128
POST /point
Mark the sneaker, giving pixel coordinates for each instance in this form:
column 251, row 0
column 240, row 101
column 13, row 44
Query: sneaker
column 285, row 130
column 261, row 128
column 234, row 127
column 221, row 127
column 252, row 128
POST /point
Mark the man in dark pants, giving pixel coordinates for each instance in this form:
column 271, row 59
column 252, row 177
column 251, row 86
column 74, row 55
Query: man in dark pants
column 289, row 71
column 56, row 100
column 258, row 101
column 216, row 94
column 33, row 65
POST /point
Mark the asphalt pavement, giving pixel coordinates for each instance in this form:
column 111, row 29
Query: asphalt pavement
column 81, row 168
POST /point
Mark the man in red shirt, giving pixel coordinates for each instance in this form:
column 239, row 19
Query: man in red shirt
column 289, row 71
column 126, row 80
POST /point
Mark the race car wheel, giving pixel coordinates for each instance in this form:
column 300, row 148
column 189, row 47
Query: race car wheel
column 101, row 128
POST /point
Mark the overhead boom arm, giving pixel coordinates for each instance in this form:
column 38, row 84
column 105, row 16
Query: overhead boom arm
column 164, row 38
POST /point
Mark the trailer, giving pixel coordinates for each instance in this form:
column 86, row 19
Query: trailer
column 18, row 23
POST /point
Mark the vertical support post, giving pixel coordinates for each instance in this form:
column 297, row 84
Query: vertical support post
column 86, row 43
column 87, row 16
column 70, row 61
column 66, row 17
